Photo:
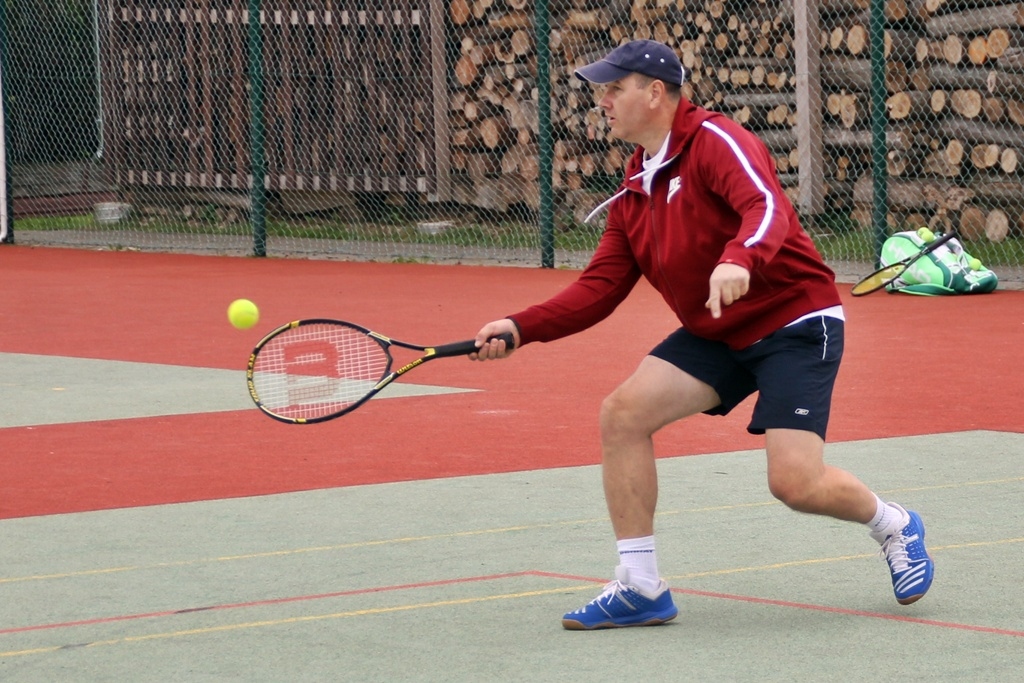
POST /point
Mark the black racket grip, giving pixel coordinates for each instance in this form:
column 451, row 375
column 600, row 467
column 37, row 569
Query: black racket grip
column 464, row 348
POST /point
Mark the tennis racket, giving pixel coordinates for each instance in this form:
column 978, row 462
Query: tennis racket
column 888, row 274
column 315, row 370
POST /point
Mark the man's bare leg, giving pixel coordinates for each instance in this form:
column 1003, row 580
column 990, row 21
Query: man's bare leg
column 657, row 394
column 799, row 477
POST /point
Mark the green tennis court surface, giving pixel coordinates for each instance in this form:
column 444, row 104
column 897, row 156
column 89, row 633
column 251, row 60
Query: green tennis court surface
column 466, row 578
column 39, row 390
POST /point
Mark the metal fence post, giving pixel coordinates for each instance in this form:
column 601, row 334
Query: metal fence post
column 880, row 173
column 6, row 200
column 257, row 133
column 545, row 144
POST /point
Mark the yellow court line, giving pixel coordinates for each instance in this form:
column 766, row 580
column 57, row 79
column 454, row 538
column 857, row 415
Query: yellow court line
column 936, row 487
column 841, row 558
column 448, row 603
column 447, row 536
column 298, row 620
column 356, row 544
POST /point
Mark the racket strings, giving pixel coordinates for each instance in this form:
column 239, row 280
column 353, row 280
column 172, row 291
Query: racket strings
column 317, row 369
column 878, row 279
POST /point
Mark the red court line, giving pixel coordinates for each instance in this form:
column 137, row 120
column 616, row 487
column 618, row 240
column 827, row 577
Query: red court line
column 813, row 607
column 852, row 612
column 259, row 603
column 496, row 577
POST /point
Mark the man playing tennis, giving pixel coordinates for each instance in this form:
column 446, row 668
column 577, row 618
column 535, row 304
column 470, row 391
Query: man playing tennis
column 701, row 214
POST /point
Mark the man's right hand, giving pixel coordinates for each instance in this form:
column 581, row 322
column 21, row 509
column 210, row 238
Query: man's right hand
column 497, row 348
column 728, row 283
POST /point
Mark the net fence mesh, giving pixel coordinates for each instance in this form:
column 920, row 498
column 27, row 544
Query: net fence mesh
column 413, row 129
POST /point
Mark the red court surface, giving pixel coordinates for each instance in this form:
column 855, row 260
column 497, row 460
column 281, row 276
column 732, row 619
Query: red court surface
column 912, row 366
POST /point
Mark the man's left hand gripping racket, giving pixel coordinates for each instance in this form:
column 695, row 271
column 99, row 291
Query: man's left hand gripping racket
column 315, row 370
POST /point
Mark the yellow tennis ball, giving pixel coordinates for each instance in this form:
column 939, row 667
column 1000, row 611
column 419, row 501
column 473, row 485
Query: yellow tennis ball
column 975, row 264
column 925, row 234
column 243, row 314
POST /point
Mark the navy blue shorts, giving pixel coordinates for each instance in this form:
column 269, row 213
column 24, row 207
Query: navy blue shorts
column 793, row 370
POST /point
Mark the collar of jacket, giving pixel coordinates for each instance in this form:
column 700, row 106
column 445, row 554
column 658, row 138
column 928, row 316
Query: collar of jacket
column 685, row 124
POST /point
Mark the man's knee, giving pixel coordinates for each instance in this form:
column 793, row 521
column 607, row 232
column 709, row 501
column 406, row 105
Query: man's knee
column 628, row 416
column 618, row 416
column 794, row 492
column 795, row 468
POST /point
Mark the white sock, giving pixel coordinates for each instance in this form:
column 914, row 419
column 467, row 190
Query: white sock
column 639, row 558
column 887, row 520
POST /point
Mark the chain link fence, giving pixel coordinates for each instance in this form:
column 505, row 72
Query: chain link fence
column 430, row 130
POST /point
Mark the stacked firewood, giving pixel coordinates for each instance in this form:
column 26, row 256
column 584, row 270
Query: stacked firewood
column 954, row 80
column 493, row 112
column 493, row 104
column 959, row 97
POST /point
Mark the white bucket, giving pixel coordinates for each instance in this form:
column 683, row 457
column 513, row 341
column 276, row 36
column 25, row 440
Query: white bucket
column 110, row 212
column 434, row 228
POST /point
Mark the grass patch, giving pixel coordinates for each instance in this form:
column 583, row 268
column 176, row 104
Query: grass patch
column 835, row 237
column 860, row 246
column 85, row 222
column 848, row 246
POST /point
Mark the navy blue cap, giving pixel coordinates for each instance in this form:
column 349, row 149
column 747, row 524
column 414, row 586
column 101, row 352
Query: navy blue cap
column 647, row 57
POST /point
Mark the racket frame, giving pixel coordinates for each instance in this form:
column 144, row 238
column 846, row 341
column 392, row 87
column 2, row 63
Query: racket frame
column 462, row 348
column 895, row 270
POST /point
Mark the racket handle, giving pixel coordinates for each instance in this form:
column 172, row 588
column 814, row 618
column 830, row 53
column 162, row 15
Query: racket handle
column 464, row 348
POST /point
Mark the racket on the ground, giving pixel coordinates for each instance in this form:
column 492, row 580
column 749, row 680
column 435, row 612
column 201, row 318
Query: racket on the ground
column 314, row 370
column 888, row 274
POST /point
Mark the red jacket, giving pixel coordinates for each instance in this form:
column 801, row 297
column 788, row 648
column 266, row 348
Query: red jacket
column 717, row 199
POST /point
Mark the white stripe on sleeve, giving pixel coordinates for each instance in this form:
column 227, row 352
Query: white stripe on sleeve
column 769, row 198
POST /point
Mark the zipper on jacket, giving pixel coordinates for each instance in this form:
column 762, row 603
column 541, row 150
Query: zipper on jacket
column 657, row 249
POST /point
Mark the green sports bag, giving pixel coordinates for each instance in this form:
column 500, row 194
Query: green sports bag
column 947, row 270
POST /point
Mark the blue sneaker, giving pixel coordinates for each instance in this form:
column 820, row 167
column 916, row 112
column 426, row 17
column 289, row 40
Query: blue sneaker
column 911, row 566
column 622, row 605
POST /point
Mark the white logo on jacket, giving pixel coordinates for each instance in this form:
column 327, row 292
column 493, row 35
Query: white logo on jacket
column 673, row 186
